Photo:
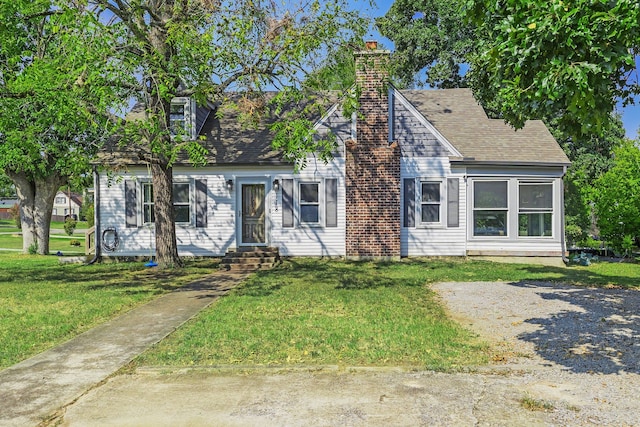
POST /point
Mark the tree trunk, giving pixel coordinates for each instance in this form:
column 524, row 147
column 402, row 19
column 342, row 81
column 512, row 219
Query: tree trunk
column 26, row 192
column 166, row 243
column 36, row 205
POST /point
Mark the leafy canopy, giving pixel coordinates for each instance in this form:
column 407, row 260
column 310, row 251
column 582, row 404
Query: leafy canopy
column 51, row 122
column 571, row 59
column 429, row 34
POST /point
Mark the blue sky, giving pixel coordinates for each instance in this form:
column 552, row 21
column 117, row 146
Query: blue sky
column 630, row 114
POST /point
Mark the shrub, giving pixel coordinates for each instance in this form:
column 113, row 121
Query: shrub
column 14, row 211
column 89, row 215
column 75, row 242
column 70, row 226
column 33, row 248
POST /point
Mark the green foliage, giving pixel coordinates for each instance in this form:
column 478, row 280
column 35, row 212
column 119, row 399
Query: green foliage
column 431, row 35
column 7, row 188
column 33, row 248
column 89, row 214
column 617, row 197
column 590, row 157
column 556, row 58
column 70, row 226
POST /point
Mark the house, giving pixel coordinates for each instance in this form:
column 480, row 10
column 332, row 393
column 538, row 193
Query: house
column 65, row 204
column 415, row 173
column 6, row 205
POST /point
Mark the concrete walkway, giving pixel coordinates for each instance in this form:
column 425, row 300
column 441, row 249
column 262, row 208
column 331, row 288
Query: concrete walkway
column 33, row 389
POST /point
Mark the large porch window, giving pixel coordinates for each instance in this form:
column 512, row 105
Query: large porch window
column 535, row 209
column 490, row 208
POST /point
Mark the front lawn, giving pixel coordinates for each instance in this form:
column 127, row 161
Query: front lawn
column 307, row 311
column 311, row 311
column 57, row 243
column 44, row 303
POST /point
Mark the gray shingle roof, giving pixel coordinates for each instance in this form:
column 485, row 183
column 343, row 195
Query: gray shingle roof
column 463, row 122
column 453, row 112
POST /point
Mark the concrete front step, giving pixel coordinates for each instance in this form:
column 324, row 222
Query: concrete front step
column 246, row 267
column 250, row 258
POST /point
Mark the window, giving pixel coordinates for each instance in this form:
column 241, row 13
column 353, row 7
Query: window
column 181, row 203
column 490, row 208
column 148, row 215
column 430, row 203
column 309, row 203
column 61, row 200
column 535, row 209
column 182, row 119
column 177, row 118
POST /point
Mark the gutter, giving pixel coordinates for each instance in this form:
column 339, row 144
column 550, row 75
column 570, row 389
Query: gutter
column 472, row 162
column 563, row 243
column 96, row 214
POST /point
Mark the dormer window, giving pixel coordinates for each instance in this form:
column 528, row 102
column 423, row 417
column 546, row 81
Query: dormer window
column 182, row 118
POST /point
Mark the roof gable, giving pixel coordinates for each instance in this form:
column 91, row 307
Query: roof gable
column 464, row 124
column 416, row 136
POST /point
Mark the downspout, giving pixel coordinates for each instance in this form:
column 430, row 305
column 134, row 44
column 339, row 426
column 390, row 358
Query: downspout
column 563, row 243
column 96, row 214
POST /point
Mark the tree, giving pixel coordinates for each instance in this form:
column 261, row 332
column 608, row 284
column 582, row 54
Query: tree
column 617, row 197
column 569, row 59
column 429, row 35
column 590, row 157
column 203, row 49
column 50, row 121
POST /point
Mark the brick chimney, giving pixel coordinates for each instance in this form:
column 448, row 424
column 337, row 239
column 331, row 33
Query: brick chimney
column 372, row 165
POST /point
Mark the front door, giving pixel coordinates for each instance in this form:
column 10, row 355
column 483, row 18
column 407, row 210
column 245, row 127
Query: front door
column 252, row 214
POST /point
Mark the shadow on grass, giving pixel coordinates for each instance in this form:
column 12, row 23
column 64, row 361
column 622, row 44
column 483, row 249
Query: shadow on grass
column 592, row 330
column 131, row 277
column 358, row 275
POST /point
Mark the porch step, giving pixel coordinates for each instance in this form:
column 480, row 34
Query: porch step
column 250, row 258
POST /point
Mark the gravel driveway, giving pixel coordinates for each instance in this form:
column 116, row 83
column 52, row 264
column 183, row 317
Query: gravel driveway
column 575, row 348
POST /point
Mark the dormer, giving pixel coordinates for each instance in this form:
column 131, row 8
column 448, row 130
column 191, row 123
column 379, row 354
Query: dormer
column 182, row 118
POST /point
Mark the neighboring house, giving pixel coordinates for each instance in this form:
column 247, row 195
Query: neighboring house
column 65, row 204
column 5, row 207
column 416, row 173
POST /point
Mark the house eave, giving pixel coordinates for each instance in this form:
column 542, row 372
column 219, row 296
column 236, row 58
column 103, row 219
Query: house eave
column 505, row 163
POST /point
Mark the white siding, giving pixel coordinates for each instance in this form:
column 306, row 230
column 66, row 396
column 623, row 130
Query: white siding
column 304, row 240
column 220, row 234
column 433, row 240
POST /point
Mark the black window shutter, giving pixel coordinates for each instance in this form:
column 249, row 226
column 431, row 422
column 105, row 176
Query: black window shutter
column 409, row 202
column 201, row 203
column 331, row 202
column 130, row 203
column 453, row 202
column 287, row 203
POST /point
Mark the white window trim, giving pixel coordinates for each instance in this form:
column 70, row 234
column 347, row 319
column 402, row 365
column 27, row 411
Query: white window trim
column 473, row 210
column 303, row 224
column 442, row 203
column 552, row 210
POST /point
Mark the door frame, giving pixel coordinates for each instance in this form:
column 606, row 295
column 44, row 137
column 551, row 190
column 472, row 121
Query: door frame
column 260, row 180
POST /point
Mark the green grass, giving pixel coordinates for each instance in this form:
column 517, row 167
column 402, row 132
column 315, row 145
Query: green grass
column 44, row 303
column 56, row 243
column 353, row 313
